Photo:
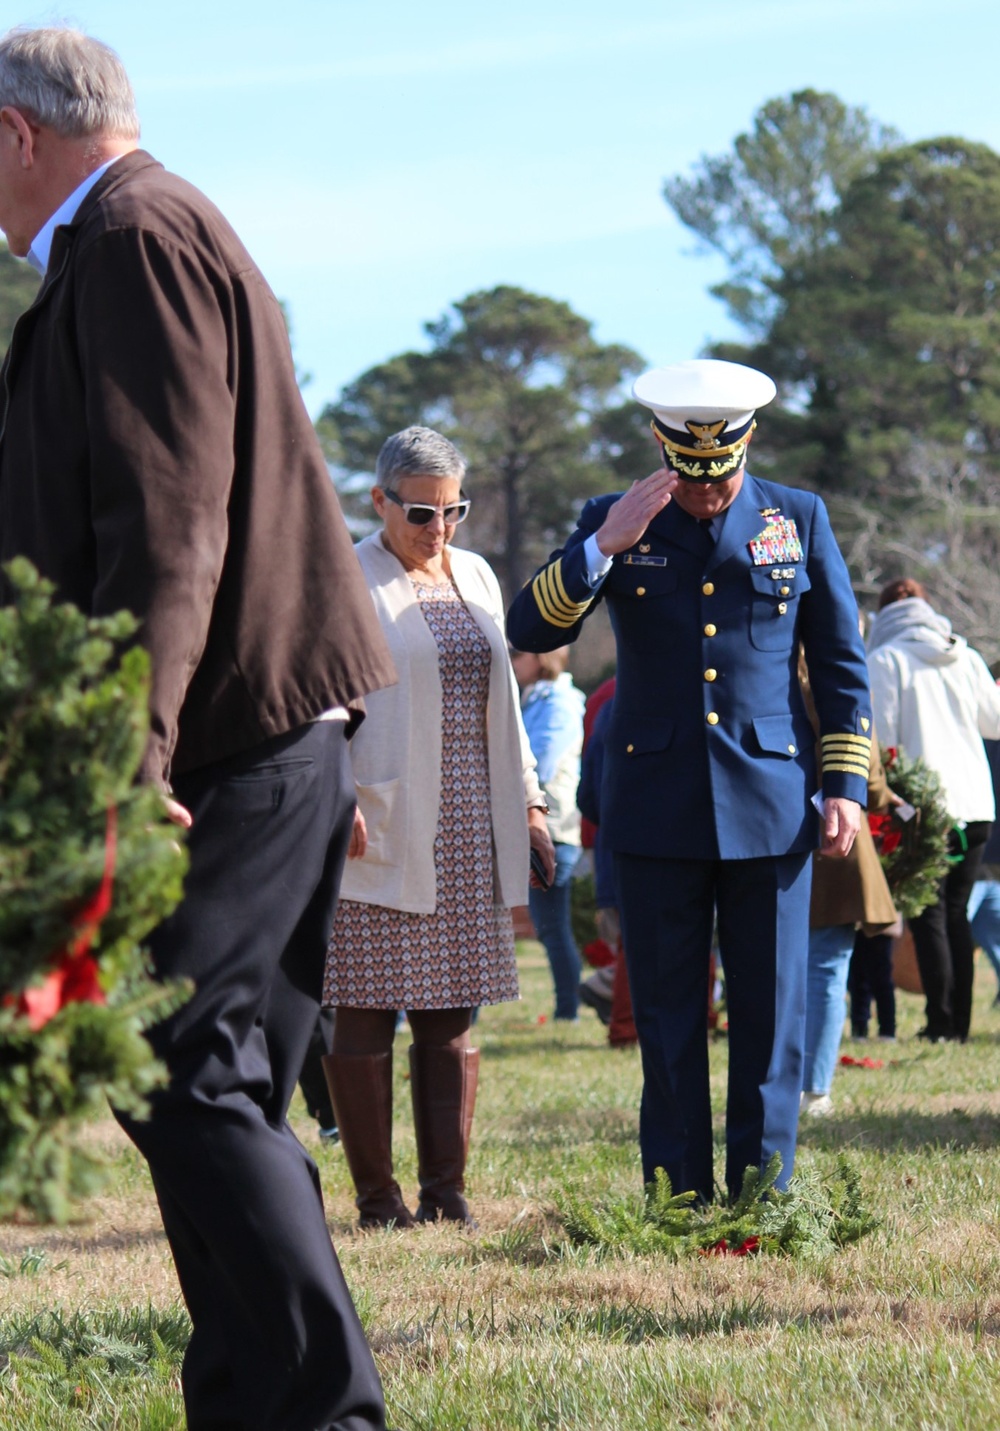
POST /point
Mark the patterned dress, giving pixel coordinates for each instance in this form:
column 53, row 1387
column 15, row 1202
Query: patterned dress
column 463, row 953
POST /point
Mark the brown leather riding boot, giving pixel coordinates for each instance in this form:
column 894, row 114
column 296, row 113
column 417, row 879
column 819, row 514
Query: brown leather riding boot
column 361, row 1092
column 443, row 1082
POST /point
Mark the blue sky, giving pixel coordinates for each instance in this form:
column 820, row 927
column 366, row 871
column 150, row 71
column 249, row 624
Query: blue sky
column 383, row 159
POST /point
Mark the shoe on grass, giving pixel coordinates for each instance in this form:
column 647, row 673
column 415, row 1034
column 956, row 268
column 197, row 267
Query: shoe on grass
column 815, row 1105
column 593, row 1000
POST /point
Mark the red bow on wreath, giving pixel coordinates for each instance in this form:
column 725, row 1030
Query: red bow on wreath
column 885, row 835
column 74, row 979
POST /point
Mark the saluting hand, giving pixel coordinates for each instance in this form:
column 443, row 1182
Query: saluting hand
column 841, row 822
column 628, row 519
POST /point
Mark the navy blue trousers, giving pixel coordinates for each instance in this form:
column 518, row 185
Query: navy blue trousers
column 667, row 909
column 276, row 1342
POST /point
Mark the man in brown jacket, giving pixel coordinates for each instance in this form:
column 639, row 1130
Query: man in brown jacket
column 155, row 455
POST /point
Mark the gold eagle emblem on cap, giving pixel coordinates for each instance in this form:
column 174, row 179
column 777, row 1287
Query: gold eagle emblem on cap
column 706, row 434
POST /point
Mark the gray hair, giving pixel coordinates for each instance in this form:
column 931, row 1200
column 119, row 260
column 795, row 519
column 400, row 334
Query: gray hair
column 417, row 452
column 68, row 82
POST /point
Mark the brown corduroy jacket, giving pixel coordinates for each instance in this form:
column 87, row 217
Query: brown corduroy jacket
column 155, row 455
column 852, row 890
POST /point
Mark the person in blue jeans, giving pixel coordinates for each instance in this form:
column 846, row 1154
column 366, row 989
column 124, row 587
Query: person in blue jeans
column 984, row 902
column 552, row 708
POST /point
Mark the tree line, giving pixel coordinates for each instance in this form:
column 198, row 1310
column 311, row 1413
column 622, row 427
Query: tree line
column 862, row 273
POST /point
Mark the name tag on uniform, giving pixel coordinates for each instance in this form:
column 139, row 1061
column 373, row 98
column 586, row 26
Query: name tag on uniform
column 778, row 542
column 637, row 559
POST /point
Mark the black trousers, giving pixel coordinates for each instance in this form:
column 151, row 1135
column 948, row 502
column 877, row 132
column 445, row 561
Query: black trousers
column 943, row 939
column 277, row 1344
column 870, row 977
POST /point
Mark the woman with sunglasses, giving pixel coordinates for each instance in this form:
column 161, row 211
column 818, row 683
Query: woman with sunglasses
column 449, row 807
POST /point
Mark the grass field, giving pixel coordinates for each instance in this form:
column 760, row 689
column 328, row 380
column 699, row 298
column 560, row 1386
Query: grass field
column 513, row 1329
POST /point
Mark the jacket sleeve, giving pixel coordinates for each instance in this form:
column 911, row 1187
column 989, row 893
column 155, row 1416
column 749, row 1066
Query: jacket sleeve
column 529, row 769
column 879, row 790
column 588, row 794
column 885, row 695
column 155, row 346
column 838, row 671
column 555, row 725
column 550, row 610
column 989, row 699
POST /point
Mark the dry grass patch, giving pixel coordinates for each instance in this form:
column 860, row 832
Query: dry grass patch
column 512, row 1327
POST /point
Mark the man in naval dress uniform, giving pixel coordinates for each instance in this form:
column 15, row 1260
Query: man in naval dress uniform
column 712, row 578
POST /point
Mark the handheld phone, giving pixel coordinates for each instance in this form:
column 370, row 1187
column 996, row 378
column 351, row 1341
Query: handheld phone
column 538, row 869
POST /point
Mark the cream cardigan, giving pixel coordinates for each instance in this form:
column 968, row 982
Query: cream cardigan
column 396, row 753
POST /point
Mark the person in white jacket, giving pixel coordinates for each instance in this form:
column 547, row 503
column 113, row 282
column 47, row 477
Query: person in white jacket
column 934, row 697
column 449, row 809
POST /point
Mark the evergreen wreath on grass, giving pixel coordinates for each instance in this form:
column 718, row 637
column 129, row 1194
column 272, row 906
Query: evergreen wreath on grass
column 813, row 1217
column 88, row 865
column 914, row 854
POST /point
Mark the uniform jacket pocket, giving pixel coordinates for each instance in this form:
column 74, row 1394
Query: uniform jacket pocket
column 640, row 735
column 776, row 735
column 774, row 605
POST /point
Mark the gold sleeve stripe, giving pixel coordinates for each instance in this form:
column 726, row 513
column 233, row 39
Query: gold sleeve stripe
column 555, row 591
column 563, row 622
column 552, row 601
column 841, row 766
column 846, row 739
column 555, row 578
column 551, row 609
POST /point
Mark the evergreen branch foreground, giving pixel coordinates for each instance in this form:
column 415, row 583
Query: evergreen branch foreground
column 812, row 1218
column 73, row 725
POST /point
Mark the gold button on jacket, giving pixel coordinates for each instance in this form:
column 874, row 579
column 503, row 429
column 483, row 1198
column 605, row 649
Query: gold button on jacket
column 712, row 718
column 708, row 588
column 710, row 630
column 710, row 674
column 640, row 591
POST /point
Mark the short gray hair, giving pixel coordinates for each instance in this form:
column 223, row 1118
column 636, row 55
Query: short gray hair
column 68, row 82
column 417, row 452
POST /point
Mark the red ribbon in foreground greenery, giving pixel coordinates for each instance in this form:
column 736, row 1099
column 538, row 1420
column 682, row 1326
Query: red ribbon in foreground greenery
column 723, row 1249
column 74, row 980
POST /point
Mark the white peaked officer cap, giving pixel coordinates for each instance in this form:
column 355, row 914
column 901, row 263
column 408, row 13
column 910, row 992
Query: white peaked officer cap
column 703, row 414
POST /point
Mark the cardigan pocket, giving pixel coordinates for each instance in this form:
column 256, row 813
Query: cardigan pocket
column 378, row 804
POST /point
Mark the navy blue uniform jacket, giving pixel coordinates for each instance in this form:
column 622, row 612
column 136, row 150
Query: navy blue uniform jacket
column 710, row 753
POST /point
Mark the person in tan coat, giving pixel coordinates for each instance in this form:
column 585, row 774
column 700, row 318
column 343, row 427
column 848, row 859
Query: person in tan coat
column 847, row 894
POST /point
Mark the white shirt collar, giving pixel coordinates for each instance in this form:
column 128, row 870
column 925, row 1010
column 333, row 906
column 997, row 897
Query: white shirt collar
column 41, row 247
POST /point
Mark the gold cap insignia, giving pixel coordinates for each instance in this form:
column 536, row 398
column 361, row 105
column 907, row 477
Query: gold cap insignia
column 706, row 434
